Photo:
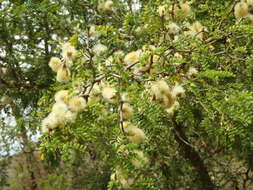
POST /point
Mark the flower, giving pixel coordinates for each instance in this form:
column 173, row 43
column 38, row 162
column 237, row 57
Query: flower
column 109, row 61
column 173, row 28
column 161, row 92
column 140, row 160
column 161, row 10
column 138, row 30
column 127, row 111
column 136, row 134
column 50, row 122
column 177, row 90
column 95, row 92
column 241, row 10
column 59, row 109
column 109, row 94
column 61, row 96
column 63, row 75
column 93, row 32
column 68, row 52
column 183, row 10
column 132, row 57
column 99, row 49
column 195, row 30
column 177, row 56
column 105, row 6
column 44, row 128
column 108, row 5
column 192, row 71
column 172, row 109
column 163, row 86
column 77, row 104
column 70, row 116
column 55, row 63
column 5, row 100
column 250, row 3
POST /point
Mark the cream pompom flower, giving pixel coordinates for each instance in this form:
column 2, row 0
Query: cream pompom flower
column 170, row 111
column 140, row 160
column 177, row 56
column 50, row 122
column 61, row 96
column 162, row 10
column 192, row 71
column 108, row 5
column 93, row 32
column 55, row 64
column 109, row 94
column 99, row 49
column 173, row 28
column 77, row 104
column 127, row 111
column 70, row 116
column 63, row 75
column 183, row 10
column 59, row 109
column 250, row 3
column 5, row 100
column 241, row 10
column 136, row 135
column 196, row 30
column 68, row 52
column 125, row 181
column 105, row 6
column 95, row 92
column 132, row 57
column 177, row 90
column 161, row 93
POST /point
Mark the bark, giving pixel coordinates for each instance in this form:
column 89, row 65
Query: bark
column 193, row 157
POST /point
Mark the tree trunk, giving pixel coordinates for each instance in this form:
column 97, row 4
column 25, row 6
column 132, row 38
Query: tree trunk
column 194, row 158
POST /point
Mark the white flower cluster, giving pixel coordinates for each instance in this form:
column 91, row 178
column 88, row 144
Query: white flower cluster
column 166, row 96
column 109, row 94
column 242, row 10
column 132, row 57
column 196, row 30
column 99, row 49
column 62, row 67
column 5, row 100
column 105, row 6
column 192, row 71
column 136, row 135
column 93, row 32
column 63, row 111
column 181, row 11
column 95, row 92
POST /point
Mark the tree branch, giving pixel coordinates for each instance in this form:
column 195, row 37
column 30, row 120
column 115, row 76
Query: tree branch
column 193, row 156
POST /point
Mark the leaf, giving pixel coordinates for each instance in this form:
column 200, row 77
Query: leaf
column 215, row 75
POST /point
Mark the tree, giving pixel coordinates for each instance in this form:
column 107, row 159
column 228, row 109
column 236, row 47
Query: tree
column 142, row 94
